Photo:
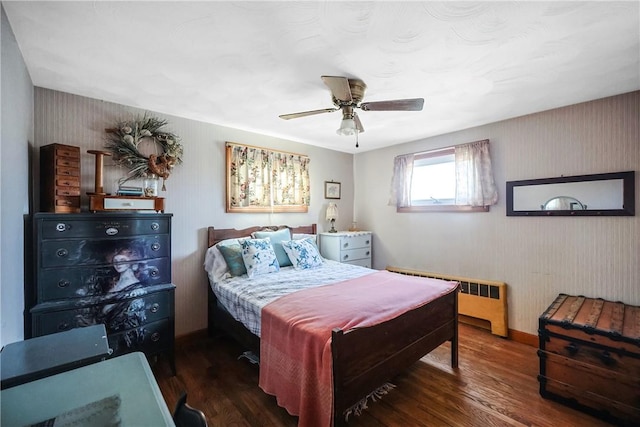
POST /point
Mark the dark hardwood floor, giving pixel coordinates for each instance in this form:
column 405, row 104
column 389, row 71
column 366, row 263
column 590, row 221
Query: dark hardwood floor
column 495, row 385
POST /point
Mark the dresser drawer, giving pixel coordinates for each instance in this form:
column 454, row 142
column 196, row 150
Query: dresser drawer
column 79, row 282
column 365, row 262
column 67, row 171
column 116, row 315
column 151, row 338
column 68, row 253
column 355, row 254
column 354, row 242
column 73, row 153
column 68, row 191
column 63, row 228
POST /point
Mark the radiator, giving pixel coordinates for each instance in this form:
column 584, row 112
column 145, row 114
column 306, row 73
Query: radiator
column 478, row 299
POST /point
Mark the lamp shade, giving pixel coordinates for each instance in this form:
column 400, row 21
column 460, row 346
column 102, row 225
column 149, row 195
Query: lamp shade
column 347, row 127
column 332, row 212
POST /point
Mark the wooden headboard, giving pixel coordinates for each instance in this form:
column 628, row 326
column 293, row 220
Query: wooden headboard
column 217, row 235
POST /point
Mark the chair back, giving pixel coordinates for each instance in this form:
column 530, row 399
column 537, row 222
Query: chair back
column 187, row 416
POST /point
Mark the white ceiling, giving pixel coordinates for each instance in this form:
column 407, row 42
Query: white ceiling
column 241, row 64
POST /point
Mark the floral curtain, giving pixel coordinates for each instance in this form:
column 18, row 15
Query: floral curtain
column 259, row 180
column 474, row 176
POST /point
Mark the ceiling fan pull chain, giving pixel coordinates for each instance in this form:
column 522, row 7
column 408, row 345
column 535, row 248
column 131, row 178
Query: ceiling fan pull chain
column 357, row 132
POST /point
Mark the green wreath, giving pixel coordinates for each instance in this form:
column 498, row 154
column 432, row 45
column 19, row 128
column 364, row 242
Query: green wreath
column 123, row 143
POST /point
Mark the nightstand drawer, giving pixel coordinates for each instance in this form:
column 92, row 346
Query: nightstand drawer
column 347, row 242
column 354, row 254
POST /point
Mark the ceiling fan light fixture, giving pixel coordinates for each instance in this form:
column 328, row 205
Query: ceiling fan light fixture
column 347, row 127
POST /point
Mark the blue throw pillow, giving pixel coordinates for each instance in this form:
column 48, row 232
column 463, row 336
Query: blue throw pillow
column 233, row 256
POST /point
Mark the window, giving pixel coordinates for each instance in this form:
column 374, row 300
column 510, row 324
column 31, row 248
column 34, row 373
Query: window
column 262, row 180
column 434, row 179
column 451, row 179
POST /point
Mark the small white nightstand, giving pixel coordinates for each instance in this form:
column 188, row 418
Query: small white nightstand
column 351, row 247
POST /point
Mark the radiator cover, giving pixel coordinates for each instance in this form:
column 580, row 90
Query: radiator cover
column 480, row 299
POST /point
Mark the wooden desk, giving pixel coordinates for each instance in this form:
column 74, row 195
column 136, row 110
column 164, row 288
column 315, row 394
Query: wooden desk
column 40, row 357
column 128, row 376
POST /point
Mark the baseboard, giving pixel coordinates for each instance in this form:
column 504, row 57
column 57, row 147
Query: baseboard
column 523, row 338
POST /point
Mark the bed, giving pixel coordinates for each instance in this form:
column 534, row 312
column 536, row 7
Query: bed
column 362, row 358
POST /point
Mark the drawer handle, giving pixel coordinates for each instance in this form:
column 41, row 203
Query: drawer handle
column 367, row 253
column 367, row 242
column 155, row 307
column 154, row 272
column 127, row 204
column 155, row 337
column 345, row 245
column 63, row 283
column 345, row 257
column 155, row 226
column 155, row 246
column 572, row 348
column 60, row 227
column 62, row 253
column 607, row 359
column 63, row 326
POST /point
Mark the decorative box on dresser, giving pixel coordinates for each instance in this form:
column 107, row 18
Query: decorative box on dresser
column 59, row 178
column 351, row 247
column 590, row 357
column 103, row 268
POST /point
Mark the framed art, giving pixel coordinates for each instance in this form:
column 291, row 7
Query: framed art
column 331, row 190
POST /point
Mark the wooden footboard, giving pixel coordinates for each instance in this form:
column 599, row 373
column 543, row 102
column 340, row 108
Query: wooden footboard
column 366, row 358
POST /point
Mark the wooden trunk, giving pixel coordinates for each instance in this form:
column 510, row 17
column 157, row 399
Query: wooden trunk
column 590, row 357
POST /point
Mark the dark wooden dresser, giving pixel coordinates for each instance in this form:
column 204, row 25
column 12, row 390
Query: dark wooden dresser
column 590, row 357
column 103, row 268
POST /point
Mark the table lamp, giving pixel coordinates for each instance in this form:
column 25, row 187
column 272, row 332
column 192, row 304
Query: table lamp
column 332, row 216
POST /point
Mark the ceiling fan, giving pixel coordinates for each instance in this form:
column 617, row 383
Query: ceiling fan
column 347, row 95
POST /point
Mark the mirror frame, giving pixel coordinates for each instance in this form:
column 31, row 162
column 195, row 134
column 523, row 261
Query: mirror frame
column 628, row 195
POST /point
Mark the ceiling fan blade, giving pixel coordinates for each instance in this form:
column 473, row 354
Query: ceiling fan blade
column 414, row 104
column 339, row 87
column 358, row 123
column 307, row 113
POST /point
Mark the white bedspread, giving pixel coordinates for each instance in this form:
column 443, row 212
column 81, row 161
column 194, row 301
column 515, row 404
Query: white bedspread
column 244, row 298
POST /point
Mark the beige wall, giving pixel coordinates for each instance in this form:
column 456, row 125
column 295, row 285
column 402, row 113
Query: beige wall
column 195, row 191
column 537, row 257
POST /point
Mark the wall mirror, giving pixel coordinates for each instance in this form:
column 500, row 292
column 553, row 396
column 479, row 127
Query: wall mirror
column 580, row 195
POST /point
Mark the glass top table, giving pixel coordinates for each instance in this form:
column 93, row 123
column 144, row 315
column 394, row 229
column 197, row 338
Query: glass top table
column 126, row 380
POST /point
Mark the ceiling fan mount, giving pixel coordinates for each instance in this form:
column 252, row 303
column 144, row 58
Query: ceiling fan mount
column 347, row 95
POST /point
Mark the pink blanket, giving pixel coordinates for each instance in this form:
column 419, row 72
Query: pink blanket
column 295, row 342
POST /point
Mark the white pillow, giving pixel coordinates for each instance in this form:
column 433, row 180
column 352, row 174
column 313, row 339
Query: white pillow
column 259, row 257
column 300, row 236
column 303, row 253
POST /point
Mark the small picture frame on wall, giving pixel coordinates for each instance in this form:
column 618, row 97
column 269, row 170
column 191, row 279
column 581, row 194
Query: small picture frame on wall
column 331, row 190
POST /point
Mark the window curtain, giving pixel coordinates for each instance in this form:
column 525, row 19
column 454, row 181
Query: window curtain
column 401, row 181
column 259, row 180
column 290, row 179
column 474, row 177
